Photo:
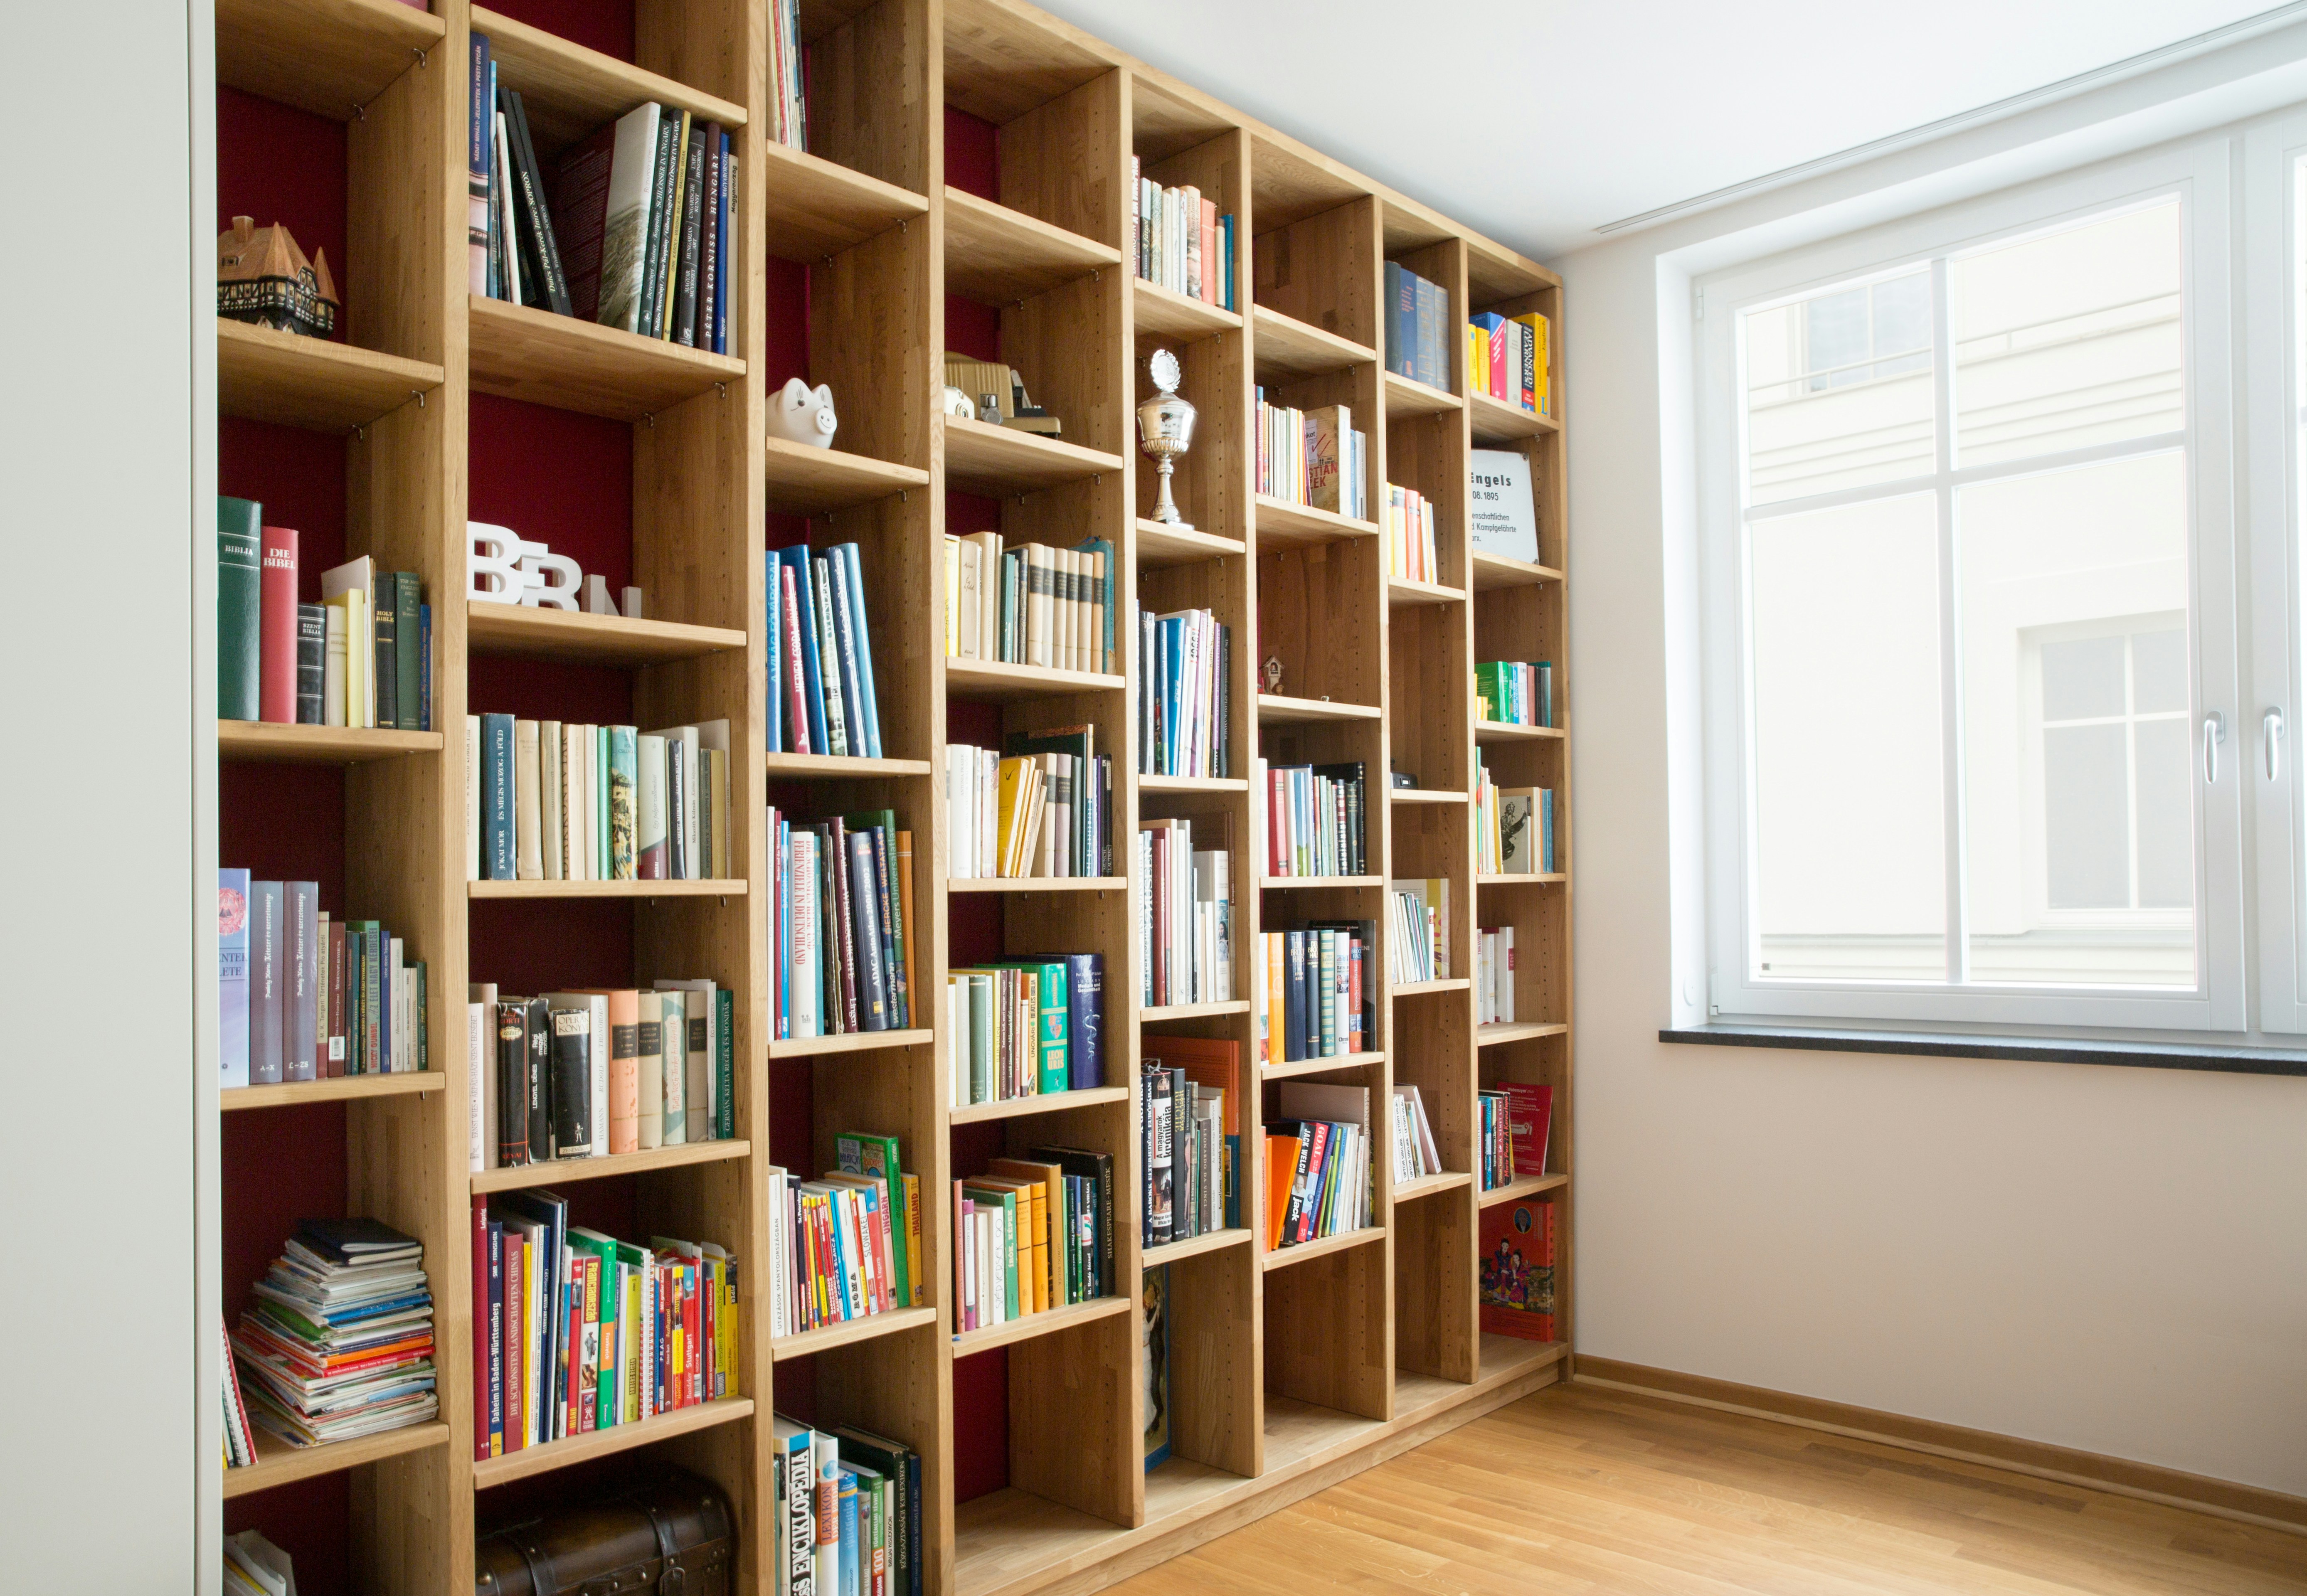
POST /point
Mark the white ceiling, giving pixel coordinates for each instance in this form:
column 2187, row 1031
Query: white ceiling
column 1537, row 122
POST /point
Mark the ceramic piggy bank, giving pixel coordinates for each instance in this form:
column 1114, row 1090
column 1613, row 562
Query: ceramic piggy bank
column 799, row 414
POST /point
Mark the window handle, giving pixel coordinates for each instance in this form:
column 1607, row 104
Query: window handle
column 2270, row 725
column 2214, row 731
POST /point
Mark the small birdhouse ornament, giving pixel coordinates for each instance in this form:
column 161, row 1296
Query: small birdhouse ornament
column 263, row 277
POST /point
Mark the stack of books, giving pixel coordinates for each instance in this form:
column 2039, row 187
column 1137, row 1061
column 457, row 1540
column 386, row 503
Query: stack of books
column 1417, row 316
column 788, row 76
column 549, row 800
column 634, row 233
column 1314, row 817
column 1027, row 1028
column 1185, row 918
column 1418, row 948
column 848, row 1514
column 1313, row 457
column 1043, row 806
column 1314, row 995
column 841, row 927
column 1184, row 694
column 1032, row 605
column 338, row 1342
column 254, row 1566
column 1318, row 1164
column 1189, row 1138
column 1032, row 1234
column 821, row 698
column 1181, row 240
column 1494, row 975
column 1507, row 358
column 304, row 995
column 362, row 656
column 846, row 1245
column 575, row 1331
column 1415, row 1155
column 598, row 1072
column 1410, row 550
column 1515, row 693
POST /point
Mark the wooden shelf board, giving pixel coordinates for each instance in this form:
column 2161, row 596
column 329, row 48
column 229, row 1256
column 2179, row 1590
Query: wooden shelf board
column 1500, row 731
column 1283, row 348
column 1049, row 1321
column 998, row 256
column 560, row 1171
column 310, row 382
column 1281, row 1257
column 570, row 91
column 734, row 887
column 534, row 355
column 279, row 1464
column 1163, row 313
column 798, row 767
column 254, row 741
column 1527, row 1185
column 1402, row 592
column 1284, row 1070
column 1170, row 1252
column 998, row 463
column 1405, row 397
column 1496, row 1036
column 1159, row 544
column 815, row 208
column 1528, row 878
column 525, row 631
column 1277, row 709
column 1277, row 883
column 1013, row 1541
column 783, row 1348
column 603, row 1442
column 1192, row 784
column 1283, row 525
column 337, row 1089
column 325, row 56
column 849, row 1041
column 1498, row 422
column 1177, row 1012
column 811, row 481
column 1423, row 795
column 1508, row 1356
column 1504, row 571
column 1425, row 1186
column 993, row 681
column 1038, row 1103
column 1298, row 1432
column 959, row 884
column 1414, row 989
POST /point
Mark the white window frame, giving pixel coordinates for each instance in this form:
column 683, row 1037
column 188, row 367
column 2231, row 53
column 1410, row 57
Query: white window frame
column 2198, row 172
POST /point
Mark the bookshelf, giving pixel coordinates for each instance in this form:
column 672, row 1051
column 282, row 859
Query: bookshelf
column 968, row 182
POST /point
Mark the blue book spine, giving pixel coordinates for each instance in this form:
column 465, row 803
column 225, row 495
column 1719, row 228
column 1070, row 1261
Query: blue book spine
column 811, row 678
column 849, row 643
column 1401, row 304
column 1430, row 362
column 773, row 593
column 1086, row 1019
column 232, row 977
column 497, row 860
column 1173, row 686
column 870, row 715
column 425, row 669
column 853, row 1554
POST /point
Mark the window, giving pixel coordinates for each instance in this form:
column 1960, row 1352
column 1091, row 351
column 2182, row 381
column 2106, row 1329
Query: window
column 1971, row 614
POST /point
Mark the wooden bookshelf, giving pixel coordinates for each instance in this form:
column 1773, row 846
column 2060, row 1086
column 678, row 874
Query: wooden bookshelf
column 1287, row 1364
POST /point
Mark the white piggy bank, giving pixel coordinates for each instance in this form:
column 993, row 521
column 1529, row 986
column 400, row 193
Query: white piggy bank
column 799, row 414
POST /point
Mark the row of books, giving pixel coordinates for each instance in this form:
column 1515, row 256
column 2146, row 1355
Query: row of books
column 1516, row 1246
column 1494, row 975
column 362, row 656
column 1415, row 1154
column 1516, row 693
column 841, row 936
column 1314, row 819
column 1412, row 551
column 848, row 1514
column 788, row 76
column 1416, row 327
column 1510, row 1137
column 1189, row 1149
column 1318, row 1164
column 1506, row 357
column 1418, row 940
column 336, row 1342
column 1185, row 693
column 1031, row 604
column 1027, row 1027
column 575, row 1331
column 304, row 995
column 1042, row 806
column 1032, row 1234
column 1313, row 457
column 634, row 232
column 549, row 800
column 1513, row 827
column 1313, row 995
column 848, row 1244
column 821, row 695
column 599, row 1072
column 1185, row 916
column 1179, row 241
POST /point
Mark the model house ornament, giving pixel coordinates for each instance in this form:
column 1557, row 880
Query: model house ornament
column 263, row 277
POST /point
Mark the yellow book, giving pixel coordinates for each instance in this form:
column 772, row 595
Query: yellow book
column 913, row 1243
column 1033, row 1240
column 1540, row 347
column 343, row 603
column 1015, row 795
column 360, row 661
column 1049, row 1183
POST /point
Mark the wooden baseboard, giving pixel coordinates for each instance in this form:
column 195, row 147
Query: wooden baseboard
column 2172, row 1486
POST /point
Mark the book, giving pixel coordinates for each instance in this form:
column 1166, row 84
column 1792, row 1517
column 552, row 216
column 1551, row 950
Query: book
column 337, row 1341
column 233, row 976
column 1502, row 514
column 625, row 182
column 1516, row 1257
column 276, row 626
column 1154, row 1294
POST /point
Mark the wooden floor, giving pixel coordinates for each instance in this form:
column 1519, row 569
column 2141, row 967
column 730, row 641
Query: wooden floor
column 1581, row 1489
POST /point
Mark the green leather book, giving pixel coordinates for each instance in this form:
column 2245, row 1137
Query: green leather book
column 409, row 653
column 240, row 567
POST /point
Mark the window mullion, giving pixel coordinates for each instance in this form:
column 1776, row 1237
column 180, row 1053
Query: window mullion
column 1957, row 908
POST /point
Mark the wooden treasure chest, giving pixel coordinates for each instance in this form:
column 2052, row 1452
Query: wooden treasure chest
column 668, row 1535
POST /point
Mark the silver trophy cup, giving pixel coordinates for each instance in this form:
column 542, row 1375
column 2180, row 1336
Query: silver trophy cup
column 1165, row 430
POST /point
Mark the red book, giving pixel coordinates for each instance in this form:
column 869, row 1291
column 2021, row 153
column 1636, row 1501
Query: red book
column 516, row 1323
column 276, row 636
column 1517, row 1270
column 480, row 1323
column 1530, row 1113
column 796, row 707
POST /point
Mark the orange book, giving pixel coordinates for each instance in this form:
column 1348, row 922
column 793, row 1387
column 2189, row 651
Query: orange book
column 624, row 1070
column 1281, row 1170
column 1049, row 1183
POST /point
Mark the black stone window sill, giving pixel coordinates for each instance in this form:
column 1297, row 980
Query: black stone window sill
column 1946, row 1044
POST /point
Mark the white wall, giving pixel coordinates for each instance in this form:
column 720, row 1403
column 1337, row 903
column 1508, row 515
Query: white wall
column 2109, row 1258
column 101, row 424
